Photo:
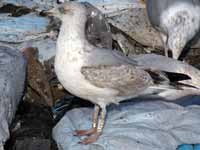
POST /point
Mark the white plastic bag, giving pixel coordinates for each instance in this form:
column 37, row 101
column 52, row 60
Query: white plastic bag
column 150, row 125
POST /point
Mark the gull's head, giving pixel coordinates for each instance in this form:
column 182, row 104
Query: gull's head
column 176, row 43
column 67, row 9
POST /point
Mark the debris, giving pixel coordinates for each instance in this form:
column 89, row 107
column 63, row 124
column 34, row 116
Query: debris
column 45, row 46
column 36, row 77
column 23, row 28
column 12, row 82
column 152, row 125
column 32, row 144
column 39, row 5
column 122, row 25
column 31, row 128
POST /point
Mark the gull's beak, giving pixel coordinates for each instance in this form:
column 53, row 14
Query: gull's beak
column 50, row 12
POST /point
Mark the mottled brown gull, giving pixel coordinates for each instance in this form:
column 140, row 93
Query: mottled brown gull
column 99, row 75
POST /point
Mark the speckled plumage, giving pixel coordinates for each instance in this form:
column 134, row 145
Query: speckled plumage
column 128, row 80
column 178, row 21
column 102, row 76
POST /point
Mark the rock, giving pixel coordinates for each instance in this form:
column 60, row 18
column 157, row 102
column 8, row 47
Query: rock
column 134, row 23
column 45, row 46
column 36, row 77
column 126, row 44
column 130, row 17
column 31, row 128
column 33, row 144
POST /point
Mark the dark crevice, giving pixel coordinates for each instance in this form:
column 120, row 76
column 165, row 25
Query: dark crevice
column 15, row 11
column 35, row 129
column 169, row 53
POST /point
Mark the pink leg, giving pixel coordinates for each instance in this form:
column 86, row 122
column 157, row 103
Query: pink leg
column 94, row 137
column 91, row 139
column 94, row 124
column 85, row 132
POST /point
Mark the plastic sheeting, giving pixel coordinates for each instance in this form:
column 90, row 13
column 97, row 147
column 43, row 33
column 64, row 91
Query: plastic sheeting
column 23, row 28
column 147, row 125
column 12, row 78
column 36, row 4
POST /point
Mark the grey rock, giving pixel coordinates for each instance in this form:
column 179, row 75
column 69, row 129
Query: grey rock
column 33, row 144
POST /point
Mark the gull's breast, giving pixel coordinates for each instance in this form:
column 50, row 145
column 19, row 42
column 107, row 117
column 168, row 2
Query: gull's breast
column 70, row 76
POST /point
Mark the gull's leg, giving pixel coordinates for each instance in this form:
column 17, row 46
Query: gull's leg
column 94, row 124
column 92, row 138
column 95, row 116
column 164, row 40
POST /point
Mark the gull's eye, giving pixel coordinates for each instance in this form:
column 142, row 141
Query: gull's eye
column 61, row 10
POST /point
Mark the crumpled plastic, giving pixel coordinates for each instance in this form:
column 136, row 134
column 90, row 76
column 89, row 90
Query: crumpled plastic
column 23, row 28
column 12, row 79
column 138, row 125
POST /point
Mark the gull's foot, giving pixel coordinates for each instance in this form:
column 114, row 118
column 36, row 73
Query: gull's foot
column 85, row 132
column 91, row 139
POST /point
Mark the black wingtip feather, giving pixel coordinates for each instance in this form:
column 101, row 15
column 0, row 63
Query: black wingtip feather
column 161, row 76
column 157, row 76
column 179, row 85
column 175, row 77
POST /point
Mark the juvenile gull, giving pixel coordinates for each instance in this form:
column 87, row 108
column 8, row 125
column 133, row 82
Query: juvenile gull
column 177, row 21
column 99, row 75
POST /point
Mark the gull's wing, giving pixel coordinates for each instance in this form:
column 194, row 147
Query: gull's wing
column 100, row 56
column 130, row 81
column 126, row 79
column 107, row 68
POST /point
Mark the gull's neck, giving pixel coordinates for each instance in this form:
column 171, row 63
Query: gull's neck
column 71, row 40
